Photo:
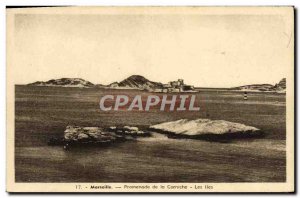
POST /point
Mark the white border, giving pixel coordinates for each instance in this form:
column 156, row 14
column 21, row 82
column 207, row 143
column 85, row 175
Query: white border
column 5, row 3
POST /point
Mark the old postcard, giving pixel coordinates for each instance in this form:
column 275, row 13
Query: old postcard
column 150, row 99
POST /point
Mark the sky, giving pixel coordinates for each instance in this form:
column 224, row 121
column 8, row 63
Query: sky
column 206, row 50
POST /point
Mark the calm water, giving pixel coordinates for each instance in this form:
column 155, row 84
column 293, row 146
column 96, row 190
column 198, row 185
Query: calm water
column 42, row 113
column 156, row 159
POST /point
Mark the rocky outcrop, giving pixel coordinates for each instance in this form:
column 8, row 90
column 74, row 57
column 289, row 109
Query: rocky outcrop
column 85, row 136
column 64, row 82
column 255, row 87
column 279, row 87
column 76, row 133
column 137, row 82
column 96, row 136
column 205, row 129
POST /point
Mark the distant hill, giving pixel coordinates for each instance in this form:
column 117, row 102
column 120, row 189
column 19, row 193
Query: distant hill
column 257, row 87
column 64, row 82
column 137, row 82
column 279, row 87
column 132, row 82
column 142, row 83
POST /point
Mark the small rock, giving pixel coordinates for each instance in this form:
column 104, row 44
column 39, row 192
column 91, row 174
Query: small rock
column 129, row 128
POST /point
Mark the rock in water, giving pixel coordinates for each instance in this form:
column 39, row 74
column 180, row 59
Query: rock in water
column 281, row 86
column 64, row 82
column 131, row 128
column 206, row 128
column 86, row 136
column 75, row 135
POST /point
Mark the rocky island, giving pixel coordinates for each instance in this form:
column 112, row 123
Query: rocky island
column 64, row 82
column 75, row 136
column 206, row 129
column 279, row 87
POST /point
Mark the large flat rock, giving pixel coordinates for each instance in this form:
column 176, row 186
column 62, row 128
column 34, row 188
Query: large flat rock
column 203, row 127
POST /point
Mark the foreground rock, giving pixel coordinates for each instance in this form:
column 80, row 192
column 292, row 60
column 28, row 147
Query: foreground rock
column 90, row 136
column 206, row 129
column 96, row 136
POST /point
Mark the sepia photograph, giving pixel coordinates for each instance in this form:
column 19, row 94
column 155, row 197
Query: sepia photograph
column 150, row 99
